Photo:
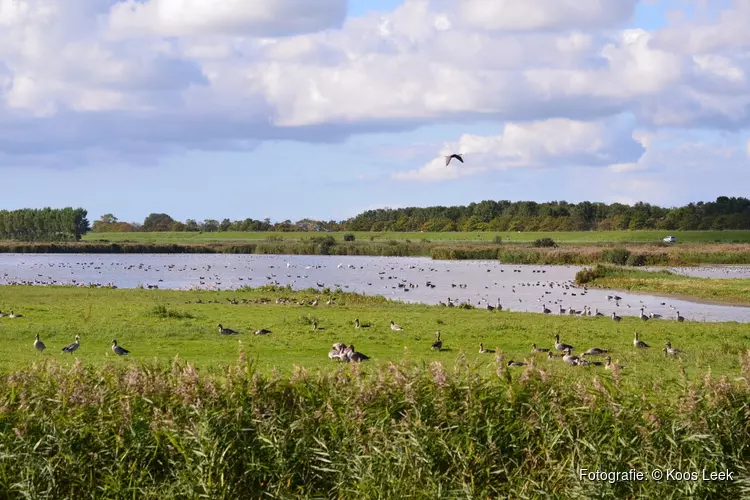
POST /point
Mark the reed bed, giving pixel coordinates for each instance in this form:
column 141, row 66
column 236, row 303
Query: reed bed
column 401, row 431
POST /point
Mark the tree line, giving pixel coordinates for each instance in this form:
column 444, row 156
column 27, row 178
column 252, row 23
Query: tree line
column 45, row 224
column 488, row 215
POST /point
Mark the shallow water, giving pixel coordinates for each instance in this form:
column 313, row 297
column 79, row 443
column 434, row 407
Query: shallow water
column 517, row 287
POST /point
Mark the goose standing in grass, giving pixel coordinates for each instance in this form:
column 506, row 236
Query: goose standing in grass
column 516, row 363
column 595, row 351
column 669, row 350
column 438, row 344
column 262, row 331
column 569, row 358
column 639, row 343
column 38, row 344
column 609, row 366
column 226, row 331
column 13, row 315
column 118, row 349
column 534, row 348
column 72, row 347
column 680, row 318
column 482, row 350
column 562, row 347
column 314, row 325
column 356, row 323
column 395, row 327
column 616, row 317
column 457, row 156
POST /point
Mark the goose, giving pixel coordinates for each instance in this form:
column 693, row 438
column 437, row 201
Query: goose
column 118, row 349
column 226, row 331
column 457, row 156
column 516, row 363
column 595, row 351
column 639, row 343
column 587, row 362
column 482, row 350
column 669, row 351
column 314, row 302
column 353, row 355
column 654, row 315
column 616, row 317
column 314, row 325
column 38, row 344
column 438, row 344
column 551, row 355
column 569, row 358
column 12, row 315
column 262, row 331
column 2, row 314
column 562, row 347
column 337, row 351
column 356, row 323
column 598, row 313
column 643, row 316
column 72, row 347
column 610, row 366
column 545, row 310
column 680, row 318
column 534, row 348
column 395, row 327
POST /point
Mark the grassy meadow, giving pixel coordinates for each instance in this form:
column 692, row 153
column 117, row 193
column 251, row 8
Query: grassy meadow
column 735, row 291
column 576, row 237
column 195, row 414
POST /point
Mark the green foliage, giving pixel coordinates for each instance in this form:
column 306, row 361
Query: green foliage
column 618, row 256
column 161, row 311
column 349, row 237
column 497, row 239
column 544, row 243
column 46, row 224
column 587, row 274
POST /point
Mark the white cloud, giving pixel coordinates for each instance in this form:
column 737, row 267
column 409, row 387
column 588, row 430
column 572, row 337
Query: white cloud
column 159, row 76
column 225, row 17
column 556, row 142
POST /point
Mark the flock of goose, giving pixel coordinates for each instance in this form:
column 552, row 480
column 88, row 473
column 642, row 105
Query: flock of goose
column 471, row 283
column 71, row 348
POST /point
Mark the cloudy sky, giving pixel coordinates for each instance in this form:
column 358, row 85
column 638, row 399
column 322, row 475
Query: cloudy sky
column 324, row 108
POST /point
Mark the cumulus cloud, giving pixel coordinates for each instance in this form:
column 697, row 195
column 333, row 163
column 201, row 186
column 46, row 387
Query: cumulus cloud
column 152, row 77
column 264, row 18
column 551, row 143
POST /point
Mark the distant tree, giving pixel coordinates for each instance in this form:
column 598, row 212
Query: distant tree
column 225, row 225
column 209, row 225
column 192, row 225
column 157, row 222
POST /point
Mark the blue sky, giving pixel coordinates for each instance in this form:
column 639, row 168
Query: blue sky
column 349, row 107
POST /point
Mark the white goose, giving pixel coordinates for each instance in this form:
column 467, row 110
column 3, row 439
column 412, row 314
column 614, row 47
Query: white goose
column 395, row 327
column 639, row 343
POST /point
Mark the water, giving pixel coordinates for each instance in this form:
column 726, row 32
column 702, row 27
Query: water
column 517, row 287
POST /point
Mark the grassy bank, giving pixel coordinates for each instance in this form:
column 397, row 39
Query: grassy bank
column 730, row 291
column 401, row 431
column 565, row 254
column 575, row 237
column 193, row 413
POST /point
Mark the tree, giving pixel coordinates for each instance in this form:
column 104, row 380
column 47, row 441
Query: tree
column 157, row 222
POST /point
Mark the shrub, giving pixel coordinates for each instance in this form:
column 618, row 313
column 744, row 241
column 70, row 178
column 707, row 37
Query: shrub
column 636, row 259
column 617, row 256
column 348, row 237
column 162, row 311
column 588, row 274
column 498, row 239
column 545, row 243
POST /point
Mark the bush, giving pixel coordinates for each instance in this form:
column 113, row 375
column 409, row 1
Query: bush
column 498, row 239
column 587, row 274
column 348, row 237
column 617, row 256
column 545, row 243
column 636, row 260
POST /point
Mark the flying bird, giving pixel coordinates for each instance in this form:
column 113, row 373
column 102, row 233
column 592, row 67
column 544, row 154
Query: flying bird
column 454, row 155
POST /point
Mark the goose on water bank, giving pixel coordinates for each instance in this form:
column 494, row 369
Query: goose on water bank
column 643, row 316
column 669, row 351
column 262, row 331
column 226, row 331
column 534, row 348
column 680, row 318
column 562, row 347
column 616, row 317
column 595, row 351
column 38, row 344
column 482, row 350
column 438, row 344
column 395, row 327
column 457, row 156
column 72, row 347
column 610, row 366
column 639, row 343
column 118, row 349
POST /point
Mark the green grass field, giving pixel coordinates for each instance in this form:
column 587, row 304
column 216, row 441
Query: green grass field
column 730, row 291
column 273, row 417
column 131, row 317
column 588, row 237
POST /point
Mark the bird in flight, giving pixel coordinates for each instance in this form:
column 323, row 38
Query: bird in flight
column 454, row 155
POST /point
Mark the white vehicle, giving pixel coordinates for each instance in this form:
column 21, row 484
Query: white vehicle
column 670, row 239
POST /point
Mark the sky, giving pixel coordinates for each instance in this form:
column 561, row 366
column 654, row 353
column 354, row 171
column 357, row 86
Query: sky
column 289, row 109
